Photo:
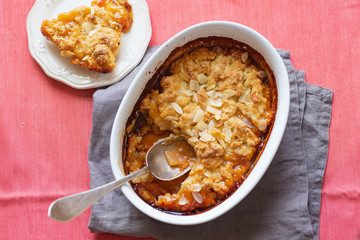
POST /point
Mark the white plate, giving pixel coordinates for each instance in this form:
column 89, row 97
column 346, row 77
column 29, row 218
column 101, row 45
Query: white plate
column 132, row 48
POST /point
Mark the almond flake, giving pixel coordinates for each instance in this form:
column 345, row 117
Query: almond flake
column 247, row 122
column 177, row 108
column 244, row 57
column 187, row 92
column 171, row 118
column 194, row 85
column 202, row 126
column 215, row 102
column 68, row 54
column 196, row 187
column 96, row 28
column 261, row 74
column 211, row 87
column 262, row 125
column 211, row 93
column 195, row 133
column 222, row 143
column 87, row 27
column 183, row 200
column 211, row 124
column 195, row 97
column 182, row 67
column 207, row 174
column 218, row 116
column 242, row 98
column 250, row 142
column 174, row 124
column 86, row 58
column 198, row 197
column 213, row 110
column 193, row 139
column 227, row 132
column 205, row 137
column 198, row 115
column 229, row 93
column 202, row 78
column 189, row 132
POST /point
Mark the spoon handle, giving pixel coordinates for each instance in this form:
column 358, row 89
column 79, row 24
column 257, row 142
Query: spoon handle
column 67, row 208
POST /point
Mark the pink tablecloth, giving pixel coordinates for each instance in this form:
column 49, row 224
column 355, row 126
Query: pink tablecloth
column 45, row 125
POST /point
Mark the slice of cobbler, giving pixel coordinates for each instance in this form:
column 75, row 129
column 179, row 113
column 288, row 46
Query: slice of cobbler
column 91, row 35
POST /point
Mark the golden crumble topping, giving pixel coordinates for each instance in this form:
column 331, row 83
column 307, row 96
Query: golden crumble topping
column 91, row 35
column 223, row 104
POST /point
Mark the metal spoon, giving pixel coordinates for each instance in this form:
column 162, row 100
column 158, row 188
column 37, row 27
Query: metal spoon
column 67, row 208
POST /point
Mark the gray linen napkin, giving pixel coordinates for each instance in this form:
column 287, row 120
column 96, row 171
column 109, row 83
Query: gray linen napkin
column 284, row 205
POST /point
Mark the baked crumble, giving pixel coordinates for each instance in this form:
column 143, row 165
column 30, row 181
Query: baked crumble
column 91, row 36
column 222, row 102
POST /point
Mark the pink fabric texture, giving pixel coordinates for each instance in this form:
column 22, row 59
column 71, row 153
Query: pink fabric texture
column 45, row 125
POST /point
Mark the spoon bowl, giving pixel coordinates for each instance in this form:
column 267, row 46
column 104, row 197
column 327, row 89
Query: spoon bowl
column 67, row 208
column 157, row 162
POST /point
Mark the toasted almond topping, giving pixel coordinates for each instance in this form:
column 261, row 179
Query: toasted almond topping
column 205, row 137
column 196, row 187
column 213, row 110
column 211, row 93
column 211, row 124
column 227, row 133
column 96, row 28
column 228, row 93
column 218, row 116
column 177, row 108
column 198, row 197
column 202, row 78
column 262, row 125
column 86, row 58
column 247, row 122
column 92, row 33
column 207, row 174
column 67, row 54
column 215, row 102
column 261, row 74
column 171, row 118
column 216, row 95
column 182, row 67
column 244, row 57
column 202, row 126
column 174, row 124
column 183, row 200
column 87, row 27
column 242, row 98
column 211, row 87
column 222, row 143
column 250, row 142
column 187, row 92
column 189, row 132
column 195, row 133
column 193, row 139
column 198, row 115
column 195, row 97
column 194, row 85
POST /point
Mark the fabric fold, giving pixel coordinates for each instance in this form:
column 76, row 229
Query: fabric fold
column 284, row 205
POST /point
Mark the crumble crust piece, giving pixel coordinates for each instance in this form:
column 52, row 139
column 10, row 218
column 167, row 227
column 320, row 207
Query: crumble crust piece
column 91, row 36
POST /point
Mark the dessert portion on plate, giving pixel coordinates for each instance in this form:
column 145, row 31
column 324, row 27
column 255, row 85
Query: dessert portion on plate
column 220, row 96
column 91, row 35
